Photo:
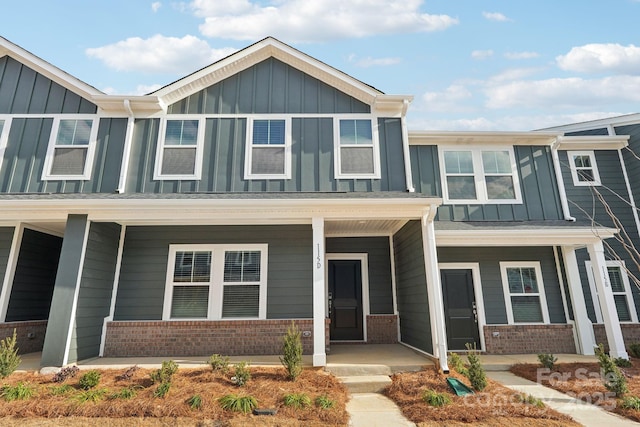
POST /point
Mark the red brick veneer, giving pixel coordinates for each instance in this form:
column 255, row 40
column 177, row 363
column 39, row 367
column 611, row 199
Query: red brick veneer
column 203, row 338
column 529, row 339
column 382, row 329
column 630, row 333
column 25, row 344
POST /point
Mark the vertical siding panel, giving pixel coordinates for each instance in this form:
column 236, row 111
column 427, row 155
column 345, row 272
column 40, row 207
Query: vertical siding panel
column 24, row 90
column 311, row 95
column 71, row 103
column 279, row 87
column 55, row 99
column 295, row 80
column 325, row 155
column 41, row 88
column 256, row 97
column 9, row 85
column 310, row 171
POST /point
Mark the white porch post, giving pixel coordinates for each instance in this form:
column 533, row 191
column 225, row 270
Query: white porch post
column 582, row 323
column 319, row 354
column 434, row 290
column 607, row 303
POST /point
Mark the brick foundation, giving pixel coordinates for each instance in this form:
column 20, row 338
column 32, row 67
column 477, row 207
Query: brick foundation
column 529, row 339
column 25, row 344
column 630, row 333
column 202, row 338
column 382, row 329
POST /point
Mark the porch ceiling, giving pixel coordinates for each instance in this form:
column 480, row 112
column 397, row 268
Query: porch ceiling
column 363, row 227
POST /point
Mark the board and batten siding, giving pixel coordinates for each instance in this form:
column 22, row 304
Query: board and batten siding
column 540, row 200
column 411, row 287
column 6, row 239
column 144, row 266
column 489, row 259
column 377, row 248
column 631, row 158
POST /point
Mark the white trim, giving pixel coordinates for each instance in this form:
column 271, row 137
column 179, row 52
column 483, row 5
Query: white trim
column 114, row 289
column 394, row 286
column 249, row 147
column 479, row 175
column 199, row 147
column 51, row 147
column 574, row 169
column 126, row 151
column 12, row 262
column 566, row 212
column 4, row 134
column 375, row 147
column 216, row 282
column 540, row 294
column 565, row 303
column 319, row 289
column 364, row 274
column 566, row 236
column 592, row 142
column 627, row 290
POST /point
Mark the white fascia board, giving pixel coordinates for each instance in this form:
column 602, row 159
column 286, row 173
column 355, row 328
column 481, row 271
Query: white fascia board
column 592, row 142
column 539, row 237
column 391, row 105
column 482, row 138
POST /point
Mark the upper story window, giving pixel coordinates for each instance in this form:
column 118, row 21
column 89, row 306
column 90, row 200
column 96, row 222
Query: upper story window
column 5, row 125
column 357, row 152
column 268, row 154
column 479, row 175
column 524, row 292
column 621, row 289
column 179, row 154
column 584, row 169
column 70, row 151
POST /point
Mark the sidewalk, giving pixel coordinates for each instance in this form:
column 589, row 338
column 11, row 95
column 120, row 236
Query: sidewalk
column 375, row 410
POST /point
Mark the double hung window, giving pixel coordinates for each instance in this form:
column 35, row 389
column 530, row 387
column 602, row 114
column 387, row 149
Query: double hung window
column 357, row 151
column 268, row 154
column 179, row 154
column 621, row 289
column 584, row 170
column 70, row 151
column 524, row 292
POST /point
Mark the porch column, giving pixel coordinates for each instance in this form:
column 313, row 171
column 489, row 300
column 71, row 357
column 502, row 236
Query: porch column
column 582, row 323
column 607, row 303
column 434, row 290
column 319, row 354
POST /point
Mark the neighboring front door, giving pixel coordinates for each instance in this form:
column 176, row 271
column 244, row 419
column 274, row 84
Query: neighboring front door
column 345, row 300
column 460, row 309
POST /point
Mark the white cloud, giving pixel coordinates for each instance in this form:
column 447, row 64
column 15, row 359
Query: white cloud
column 155, row 6
column 158, row 54
column 310, row 21
column 452, row 99
column 597, row 57
column 511, row 74
column 145, row 89
column 495, row 16
column 481, row 54
column 521, row 55
column 373, row 62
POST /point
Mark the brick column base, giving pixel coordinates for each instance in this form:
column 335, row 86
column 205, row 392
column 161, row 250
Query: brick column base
column 529, row 339
column 30, row 334
column 630, row 333
column 382, row 329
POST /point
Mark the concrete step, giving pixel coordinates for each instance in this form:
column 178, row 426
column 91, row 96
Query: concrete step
column 366, row 383
column 350, row 370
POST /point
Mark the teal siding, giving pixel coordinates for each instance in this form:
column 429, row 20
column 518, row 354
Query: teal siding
column 6, row 238
column 144, row 265
column 492, row 289
column 411, row 287
column 377, row 248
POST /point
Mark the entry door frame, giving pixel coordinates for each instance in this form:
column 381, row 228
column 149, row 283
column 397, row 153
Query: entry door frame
column 364, row 274
column 477, row 291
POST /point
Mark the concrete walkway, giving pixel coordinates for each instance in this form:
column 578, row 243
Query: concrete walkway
column 375, row 410
column 584, row 413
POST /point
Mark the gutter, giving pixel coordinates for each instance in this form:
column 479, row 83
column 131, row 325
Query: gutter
column 563, row 194
column 128, row 140
column 405, row 148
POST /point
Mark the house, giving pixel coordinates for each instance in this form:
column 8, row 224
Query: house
column 268, row 188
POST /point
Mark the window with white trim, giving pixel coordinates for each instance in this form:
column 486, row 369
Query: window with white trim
column 71, row 147
column 621, row 289
column 524, row 292
column 268, row 154
column 216, row 282
column 5, row 125
column 179, row 154
column 356, row 148
column 487, row 175
column 584, row 170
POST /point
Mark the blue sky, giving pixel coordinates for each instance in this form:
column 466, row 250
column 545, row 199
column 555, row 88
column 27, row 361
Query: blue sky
column 470, row 64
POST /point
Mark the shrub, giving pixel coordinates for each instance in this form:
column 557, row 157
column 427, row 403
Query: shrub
column 20, row 391
column 529, row 400
column 242, row 375
column 476, row 375
column 455, row 362
column 91, row 395
column 219, row 363
column 634, row 350
column 612, row 377
column 621, row 362
column 89, row 380
column 164, row 374
column 9, row 359
column 324, row 402
column 547, row 360
column 631, row 402
column 297, row 400
column 125, row 393
column 195, row 401
column 128, row 374
column 64, row 373
column 292, row 352
column 232, row 402
column 162, row 390
column 58, row 390
column 434, row 398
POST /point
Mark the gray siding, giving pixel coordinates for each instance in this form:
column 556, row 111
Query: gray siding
column 23, row 162
column 144, row 265
column 411, row 287
column 540, row 198
column 23, row 91
column 34, row 277
column 224, row 154
column 492, row 290
column 94, row 297
column 377, row 248
column 6, row 238
column 631, row 162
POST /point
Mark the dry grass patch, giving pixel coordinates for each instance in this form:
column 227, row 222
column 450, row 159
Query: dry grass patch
column 496, row 405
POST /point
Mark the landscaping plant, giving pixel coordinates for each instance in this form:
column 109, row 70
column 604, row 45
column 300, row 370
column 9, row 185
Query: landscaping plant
column 547, row 360
column 324, row 402
column 128, row 374
column 476, row 374
column 297, row 400
column 195, row 401
column 89, row 380
column 529, row 400
column 612, row 377
column 631, row 402
column 91, row 395
column 621, row 362
column 164, row 374
column 455, row 362
column 58, row 390
column 219, row 363
column 242, row 374
column 433, row 398
column 292, row 352
column 9, row 359
column 236, row 403
column 125, row 393
column 162, row 389
column 64, row 373
column 20, row 391
column 634, row 350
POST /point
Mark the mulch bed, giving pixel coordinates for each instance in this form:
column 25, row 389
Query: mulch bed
column 583, row 381
column 496, row 405
column 267, row 385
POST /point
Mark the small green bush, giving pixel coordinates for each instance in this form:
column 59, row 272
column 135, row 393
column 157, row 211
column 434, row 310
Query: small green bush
column 64, row 373
column 547, row 360
column 125, row 393
column 477, row 377
column 219, row 363
column 292, row 352
column 235, row 403
column 613, row 378
column 20, row 391
column 297, row 400
column 91, row 395
column 164, row 374
column 621, row 362
column 58, row 390
column 434, row 398
column 89, row 380
column 455, row 362
column 631, row 402
column 162, row 390
column 242, row 375
column 324, row 402
column 529, row 400
column 9, row 359
column 634, row 350
column 195, row 401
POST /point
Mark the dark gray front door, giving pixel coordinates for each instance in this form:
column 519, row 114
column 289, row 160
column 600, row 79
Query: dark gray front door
column 345, row 300
column 459, row 308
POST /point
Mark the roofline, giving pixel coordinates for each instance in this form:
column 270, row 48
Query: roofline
column 534, row 237
column 592, row 142
column 460, row 137
column 597, row 124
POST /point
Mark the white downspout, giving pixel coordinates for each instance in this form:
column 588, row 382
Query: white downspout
column 405, row 148
column 563, row 194
column 128, row 141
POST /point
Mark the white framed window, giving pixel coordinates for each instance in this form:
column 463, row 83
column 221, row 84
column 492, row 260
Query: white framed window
column 180, row 146
column 479, row 175
column 71, row 148
column 524, row 294
column 216, row 282
column 268, row 153
column 584, row 169
column 5, row 125
column 621, row 289
column 357, row 149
